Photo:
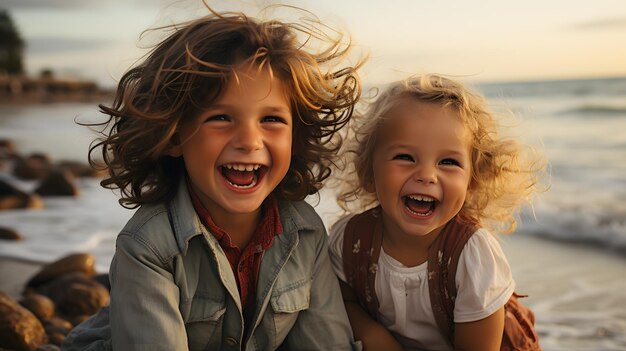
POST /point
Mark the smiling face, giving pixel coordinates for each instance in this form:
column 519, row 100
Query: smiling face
column 239, row 149
column 421, row 167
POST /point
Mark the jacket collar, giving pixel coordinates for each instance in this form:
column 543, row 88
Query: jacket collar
column 186, row 224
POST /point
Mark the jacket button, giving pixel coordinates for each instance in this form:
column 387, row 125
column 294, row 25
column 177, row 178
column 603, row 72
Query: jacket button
column 230, row 341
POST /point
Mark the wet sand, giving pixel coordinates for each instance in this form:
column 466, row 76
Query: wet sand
column 14, row 274
column 577, row 291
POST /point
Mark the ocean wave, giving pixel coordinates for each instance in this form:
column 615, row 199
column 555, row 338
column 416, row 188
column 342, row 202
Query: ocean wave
column 603, row 228
column 549, row 89
column 604, row 110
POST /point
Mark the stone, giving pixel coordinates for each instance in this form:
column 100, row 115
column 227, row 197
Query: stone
column 103, row 279
column 58, row 183
column 58, row 325
column 19, row 328
column 76, row 294
column 7, row 189
column 12, row 198
column 7, row 148
column 9, row 234
column 15, row 202
column 77, row 319
column 56, row 338
column 7, row 155
column 79, row 262
column 36, row 166
column 41, row 306
column 55, row 334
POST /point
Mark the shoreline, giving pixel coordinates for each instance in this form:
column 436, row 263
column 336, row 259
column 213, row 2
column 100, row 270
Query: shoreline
column 28, row 100
column 21, row 89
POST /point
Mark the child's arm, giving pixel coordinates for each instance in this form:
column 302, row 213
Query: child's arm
column 373, row 335
column 144, row 301
column 481, row 335
column 484, row 279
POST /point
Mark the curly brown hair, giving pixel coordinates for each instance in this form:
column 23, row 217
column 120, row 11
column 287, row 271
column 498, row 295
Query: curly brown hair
column 183, row 74
column 504, row 172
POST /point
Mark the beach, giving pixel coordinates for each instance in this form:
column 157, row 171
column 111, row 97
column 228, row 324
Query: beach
column 568, row 253
column 576, row 291
column 14, row 273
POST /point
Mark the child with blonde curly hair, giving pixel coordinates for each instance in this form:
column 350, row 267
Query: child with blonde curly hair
column 429, row 163
column 218, row 136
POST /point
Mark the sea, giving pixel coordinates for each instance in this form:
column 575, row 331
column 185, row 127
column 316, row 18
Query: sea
column 579, row 125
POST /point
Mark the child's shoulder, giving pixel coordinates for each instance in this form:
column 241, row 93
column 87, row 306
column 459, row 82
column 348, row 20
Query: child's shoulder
column 297, row 215
column 150, row 229
column 483, row 240
column 145, row 218
column 339, row 226
column 483, row 248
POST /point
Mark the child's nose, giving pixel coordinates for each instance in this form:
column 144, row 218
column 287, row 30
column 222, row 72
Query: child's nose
column 425, row 174
column 248, row 138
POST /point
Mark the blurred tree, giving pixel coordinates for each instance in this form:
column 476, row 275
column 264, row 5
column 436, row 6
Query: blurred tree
column 46, row 73
column 11, row 45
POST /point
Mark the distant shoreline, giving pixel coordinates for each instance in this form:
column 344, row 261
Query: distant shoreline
column 21, row 90
column 103, row 97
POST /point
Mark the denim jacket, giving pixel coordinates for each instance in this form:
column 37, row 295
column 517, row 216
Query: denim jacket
column 172, row 288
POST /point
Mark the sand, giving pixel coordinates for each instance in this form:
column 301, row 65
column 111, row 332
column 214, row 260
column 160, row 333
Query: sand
column 577, row 292
column 14, row 274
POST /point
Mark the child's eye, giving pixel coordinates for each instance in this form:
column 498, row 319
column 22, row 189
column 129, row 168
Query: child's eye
column 217, row 118
column 273, row 119
column 403, row 157
column 449, row 162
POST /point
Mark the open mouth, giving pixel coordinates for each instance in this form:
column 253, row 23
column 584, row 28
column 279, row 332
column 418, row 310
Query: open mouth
column 420, row 205
column 243, row 176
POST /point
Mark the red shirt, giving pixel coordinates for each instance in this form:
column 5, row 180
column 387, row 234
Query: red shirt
column 245, row 263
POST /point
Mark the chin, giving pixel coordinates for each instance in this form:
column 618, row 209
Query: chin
column 248, row 208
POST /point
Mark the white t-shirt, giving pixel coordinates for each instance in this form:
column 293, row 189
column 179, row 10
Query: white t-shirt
column 483, row 279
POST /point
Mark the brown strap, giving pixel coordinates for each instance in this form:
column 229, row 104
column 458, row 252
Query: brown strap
column 361, row 248
column 443, row 258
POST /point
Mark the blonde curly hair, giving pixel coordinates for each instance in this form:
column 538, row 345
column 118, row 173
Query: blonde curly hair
column 505, row 173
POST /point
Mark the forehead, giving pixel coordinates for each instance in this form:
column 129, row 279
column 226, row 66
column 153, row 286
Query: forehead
column 254, row 83
column 421, row 121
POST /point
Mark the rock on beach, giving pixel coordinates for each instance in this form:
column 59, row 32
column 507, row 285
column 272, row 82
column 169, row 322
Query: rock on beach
column 19, row 328
column 54, row 300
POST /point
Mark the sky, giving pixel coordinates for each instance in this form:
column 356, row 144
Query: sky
column 476, row 40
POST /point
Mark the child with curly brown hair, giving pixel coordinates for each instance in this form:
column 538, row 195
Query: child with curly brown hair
column 432, row 167
column 218, row 136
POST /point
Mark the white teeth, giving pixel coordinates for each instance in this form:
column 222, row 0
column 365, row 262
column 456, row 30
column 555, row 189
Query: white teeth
column 242, row 167
column 421, row 198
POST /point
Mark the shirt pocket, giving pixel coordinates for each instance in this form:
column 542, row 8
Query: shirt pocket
column 286, row 303
column 204, row 323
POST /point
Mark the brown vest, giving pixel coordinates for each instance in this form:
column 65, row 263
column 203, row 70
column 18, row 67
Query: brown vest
column 361, row 249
